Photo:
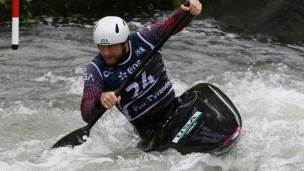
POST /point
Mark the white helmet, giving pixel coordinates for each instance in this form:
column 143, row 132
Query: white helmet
column 111, row 30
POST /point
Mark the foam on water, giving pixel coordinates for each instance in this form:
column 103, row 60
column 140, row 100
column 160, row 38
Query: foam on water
column 271, row 105
column 272, row 136
column 74, row 84
column 270, row 140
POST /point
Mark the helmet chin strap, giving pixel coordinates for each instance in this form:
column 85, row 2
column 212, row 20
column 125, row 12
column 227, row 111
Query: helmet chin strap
column 124, row 55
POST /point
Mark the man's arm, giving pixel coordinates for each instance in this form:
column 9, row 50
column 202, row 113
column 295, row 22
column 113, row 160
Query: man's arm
column 93, row 84
column 155, row 32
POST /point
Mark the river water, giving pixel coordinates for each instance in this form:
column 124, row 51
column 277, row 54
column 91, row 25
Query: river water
column 41, row 88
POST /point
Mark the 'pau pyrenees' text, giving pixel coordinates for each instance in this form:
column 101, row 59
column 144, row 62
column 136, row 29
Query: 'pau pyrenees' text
column 153, row 97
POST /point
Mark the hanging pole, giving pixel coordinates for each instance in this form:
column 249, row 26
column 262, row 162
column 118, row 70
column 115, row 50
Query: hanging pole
column 15, row 24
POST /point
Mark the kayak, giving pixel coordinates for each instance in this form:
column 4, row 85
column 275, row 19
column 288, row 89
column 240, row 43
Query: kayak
column 204, row 120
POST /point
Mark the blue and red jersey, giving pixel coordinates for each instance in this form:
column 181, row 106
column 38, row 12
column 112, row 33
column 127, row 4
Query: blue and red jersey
column 148, row 89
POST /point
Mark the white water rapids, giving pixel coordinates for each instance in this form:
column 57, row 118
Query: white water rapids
column 41, row 88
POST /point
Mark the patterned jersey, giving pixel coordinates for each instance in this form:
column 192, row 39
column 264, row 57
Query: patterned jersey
column 147, row 89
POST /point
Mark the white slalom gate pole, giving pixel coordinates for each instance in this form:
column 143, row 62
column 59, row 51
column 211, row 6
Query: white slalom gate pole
column 15, row 24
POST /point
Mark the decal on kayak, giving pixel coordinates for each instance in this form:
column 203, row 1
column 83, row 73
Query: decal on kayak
column 188, row 127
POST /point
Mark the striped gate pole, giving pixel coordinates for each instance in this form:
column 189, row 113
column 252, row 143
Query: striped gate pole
column 15, row 25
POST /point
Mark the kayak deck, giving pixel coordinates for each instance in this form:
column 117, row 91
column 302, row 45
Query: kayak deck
column 206, row 121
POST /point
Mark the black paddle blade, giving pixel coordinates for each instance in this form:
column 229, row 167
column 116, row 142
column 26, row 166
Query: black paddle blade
column 75, row 138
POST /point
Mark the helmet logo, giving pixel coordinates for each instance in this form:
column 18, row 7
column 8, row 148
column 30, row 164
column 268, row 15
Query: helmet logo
column 104, row 42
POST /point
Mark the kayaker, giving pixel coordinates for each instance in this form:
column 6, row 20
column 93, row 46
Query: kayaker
column 146, row 102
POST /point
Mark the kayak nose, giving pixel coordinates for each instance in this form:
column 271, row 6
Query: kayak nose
column 233, row 136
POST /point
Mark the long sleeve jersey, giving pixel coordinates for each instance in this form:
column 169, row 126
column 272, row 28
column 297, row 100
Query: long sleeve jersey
column 149, row 87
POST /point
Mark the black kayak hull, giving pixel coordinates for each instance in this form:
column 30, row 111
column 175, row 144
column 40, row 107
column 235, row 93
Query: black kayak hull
column 206, row 121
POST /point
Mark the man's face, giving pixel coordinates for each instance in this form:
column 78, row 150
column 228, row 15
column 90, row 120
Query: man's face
column 111, row 53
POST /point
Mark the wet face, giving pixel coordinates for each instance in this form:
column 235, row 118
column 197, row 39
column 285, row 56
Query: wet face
column 112, row 53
